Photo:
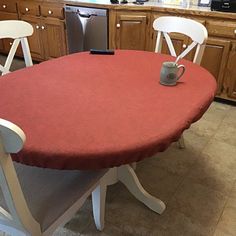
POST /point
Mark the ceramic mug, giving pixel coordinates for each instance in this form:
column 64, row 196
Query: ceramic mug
column 171, row 73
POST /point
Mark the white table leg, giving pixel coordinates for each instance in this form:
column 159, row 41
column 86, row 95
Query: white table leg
column 128, row 177
column 98, row 200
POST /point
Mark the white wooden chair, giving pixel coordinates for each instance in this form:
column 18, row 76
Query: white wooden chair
column 173, row 24
column 19, row 31
column 35, row 201
column 196, row 31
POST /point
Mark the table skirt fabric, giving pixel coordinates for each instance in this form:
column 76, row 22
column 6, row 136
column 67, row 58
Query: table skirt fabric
column 86, row 111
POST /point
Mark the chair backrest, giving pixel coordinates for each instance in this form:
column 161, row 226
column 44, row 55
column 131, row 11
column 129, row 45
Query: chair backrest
column 193, row 29
column 22, row 183
column 12, row 139
column 19, row 31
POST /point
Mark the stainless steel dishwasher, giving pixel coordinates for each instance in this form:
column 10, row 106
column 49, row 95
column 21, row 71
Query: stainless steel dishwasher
column 86, row 28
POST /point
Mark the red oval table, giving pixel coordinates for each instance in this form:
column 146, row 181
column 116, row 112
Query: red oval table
column 86, row 111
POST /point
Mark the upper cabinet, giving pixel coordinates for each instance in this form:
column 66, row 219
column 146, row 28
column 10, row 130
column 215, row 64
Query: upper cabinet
column 128, row 30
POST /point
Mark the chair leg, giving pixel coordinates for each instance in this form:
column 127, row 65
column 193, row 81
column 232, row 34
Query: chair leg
column 98, row 200
column 181, row 142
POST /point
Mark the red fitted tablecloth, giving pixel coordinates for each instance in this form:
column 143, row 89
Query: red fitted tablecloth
column 88, row 111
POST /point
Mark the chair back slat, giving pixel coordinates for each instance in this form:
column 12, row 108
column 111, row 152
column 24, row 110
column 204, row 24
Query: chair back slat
column 170, row 44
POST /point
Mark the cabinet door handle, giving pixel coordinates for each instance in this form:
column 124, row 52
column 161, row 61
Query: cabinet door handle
column 4, row 6
column 50, row 12
column 37, row 26
column 184, row 45
column 42, row 27
column 27, row 9
column 11, row 43
column 117, row 25
column 235, row 31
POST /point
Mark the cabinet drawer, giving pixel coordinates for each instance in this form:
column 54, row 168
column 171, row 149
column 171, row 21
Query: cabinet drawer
column 52, row 11
column 29, row 8
column 6, row 6
column 222, row 28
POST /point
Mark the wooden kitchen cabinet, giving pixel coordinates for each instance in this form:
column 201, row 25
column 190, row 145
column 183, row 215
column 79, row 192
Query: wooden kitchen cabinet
column 215, row 59
column 35, row 40
column 48, row 40
column 53, row 37
column 223, row 59
column 230, row 79
column 130, row 30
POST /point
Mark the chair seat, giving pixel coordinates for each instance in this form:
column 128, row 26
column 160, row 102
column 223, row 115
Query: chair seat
column 49, row 192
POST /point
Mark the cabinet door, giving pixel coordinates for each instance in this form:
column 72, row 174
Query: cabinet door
column 231, row 73
column 214, row 60
column 53, row 37
column 131, row 30
column 35, row 44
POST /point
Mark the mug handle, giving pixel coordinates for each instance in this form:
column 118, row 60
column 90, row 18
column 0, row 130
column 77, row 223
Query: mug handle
column 182, row 72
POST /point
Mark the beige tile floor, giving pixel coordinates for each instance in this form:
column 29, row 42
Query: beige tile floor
column 198, row 184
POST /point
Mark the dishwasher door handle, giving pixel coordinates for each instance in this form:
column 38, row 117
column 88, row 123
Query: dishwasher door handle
column 85, row 15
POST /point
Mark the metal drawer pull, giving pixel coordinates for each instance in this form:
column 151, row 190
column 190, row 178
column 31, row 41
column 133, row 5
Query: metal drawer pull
column 184, row 45
column 118, row 25
column 10, row 43
column 235, row 31
column 26, row 9
column 42, row 27
column 4, row 6
column 49, row 12
column 37, row 27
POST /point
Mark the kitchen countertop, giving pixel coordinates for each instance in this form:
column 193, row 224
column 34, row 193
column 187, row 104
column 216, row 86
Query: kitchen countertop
column 151, row 5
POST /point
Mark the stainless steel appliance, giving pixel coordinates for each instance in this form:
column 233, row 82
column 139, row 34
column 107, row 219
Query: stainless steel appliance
column 87, row 28
column 223, row 5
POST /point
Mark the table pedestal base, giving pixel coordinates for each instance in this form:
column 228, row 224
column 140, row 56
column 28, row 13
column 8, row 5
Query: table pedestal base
column 127, row 176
